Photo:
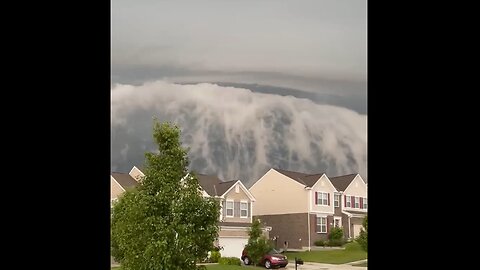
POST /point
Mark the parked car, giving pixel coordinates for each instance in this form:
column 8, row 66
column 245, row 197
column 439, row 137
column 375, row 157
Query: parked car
column 272, row 259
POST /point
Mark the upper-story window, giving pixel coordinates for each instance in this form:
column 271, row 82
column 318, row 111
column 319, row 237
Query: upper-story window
column 357, row 202
column 348, row 201
column 322, row 198
column 364, row 203
column 229, row 208
column 336, row 201
column 243, row 209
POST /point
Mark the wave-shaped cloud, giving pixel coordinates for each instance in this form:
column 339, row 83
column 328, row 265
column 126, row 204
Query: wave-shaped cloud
column 236, row 133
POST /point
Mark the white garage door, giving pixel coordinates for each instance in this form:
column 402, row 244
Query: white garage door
column 356, row 230
column 232, row 246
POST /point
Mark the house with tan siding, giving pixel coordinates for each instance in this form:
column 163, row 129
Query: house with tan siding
column 236, row 212
column 302, row 208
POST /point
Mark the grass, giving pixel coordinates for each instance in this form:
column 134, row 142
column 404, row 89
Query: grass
column 352, row 252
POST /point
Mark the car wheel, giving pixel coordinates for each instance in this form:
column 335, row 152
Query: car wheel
column 246, row 261
column 268, row 265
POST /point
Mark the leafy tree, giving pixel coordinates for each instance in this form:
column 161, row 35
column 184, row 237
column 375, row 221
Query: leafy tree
column 363, row 237
column 165, row 223
column 258, row 245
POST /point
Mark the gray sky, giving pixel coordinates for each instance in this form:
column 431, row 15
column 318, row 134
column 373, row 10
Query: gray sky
column 287, row 83
column 298, row 44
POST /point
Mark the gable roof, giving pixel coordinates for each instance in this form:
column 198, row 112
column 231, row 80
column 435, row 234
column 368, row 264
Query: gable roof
column 342, row 182
column 213, row 185
column 303, row 178
column 124, row 180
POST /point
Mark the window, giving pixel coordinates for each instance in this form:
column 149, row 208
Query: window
column 243, row 209
column 229, row 208
column 364, row 203
column 349, row 201
column 322, row 198
column 357, row 202
column 321, row 224
column 336, row 201
column 337, row 223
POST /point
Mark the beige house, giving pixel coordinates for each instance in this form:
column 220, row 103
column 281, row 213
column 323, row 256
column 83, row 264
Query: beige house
column 302, row 208
column 119, row 182
column 236, row 212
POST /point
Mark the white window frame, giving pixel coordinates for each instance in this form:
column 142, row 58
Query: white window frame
column 322, row 198
column 246, row 209
column 336, row 203
column 227, row 208
column 339, row 222
column 349, row 201
column 357, row 202
column 320, row 226
column 365, row 203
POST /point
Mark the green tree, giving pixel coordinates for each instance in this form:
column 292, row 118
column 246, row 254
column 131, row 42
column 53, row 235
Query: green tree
column 258, row 245
column 165, row 223
column 362, row 238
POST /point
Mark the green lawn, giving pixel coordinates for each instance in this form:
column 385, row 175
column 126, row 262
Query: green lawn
column 352, row 252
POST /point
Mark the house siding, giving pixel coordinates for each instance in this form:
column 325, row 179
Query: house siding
column 115, row 189
column 323, row 185
column 345, row 226
column 287, row 227
column 338, row 210
column 136, row 174
column 237, row 198
column 314, row 235
column 232, row 233
column 358, row 189
column 277, row 194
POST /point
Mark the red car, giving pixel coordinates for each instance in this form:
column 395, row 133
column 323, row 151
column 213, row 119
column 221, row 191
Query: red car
column 269, row 260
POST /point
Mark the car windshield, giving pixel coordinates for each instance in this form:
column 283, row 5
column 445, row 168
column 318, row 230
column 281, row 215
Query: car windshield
column 273, row 251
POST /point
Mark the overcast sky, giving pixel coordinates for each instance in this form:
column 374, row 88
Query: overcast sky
column 298, row 44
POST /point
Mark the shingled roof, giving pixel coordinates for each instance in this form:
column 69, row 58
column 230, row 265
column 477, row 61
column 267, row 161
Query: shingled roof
column 213, row 185
column 303, row 178
column 124, row 180
column 341, row 182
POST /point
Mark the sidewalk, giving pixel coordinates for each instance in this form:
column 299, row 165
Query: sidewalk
column 324, row 266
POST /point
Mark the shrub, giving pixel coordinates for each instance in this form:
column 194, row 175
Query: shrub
column 336, row 243
column 215, row 256
column 362, row 239
column 319, row 243
column 336, row 233
column 229, row 261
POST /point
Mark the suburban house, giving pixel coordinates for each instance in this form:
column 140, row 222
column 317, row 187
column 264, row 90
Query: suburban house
column 235, row 200
column 236, row 212
column 302, row 208
column 350, row 203
column 120, row 182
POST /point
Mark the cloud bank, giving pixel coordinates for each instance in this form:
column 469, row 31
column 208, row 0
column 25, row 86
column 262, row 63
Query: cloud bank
column 236, row 133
